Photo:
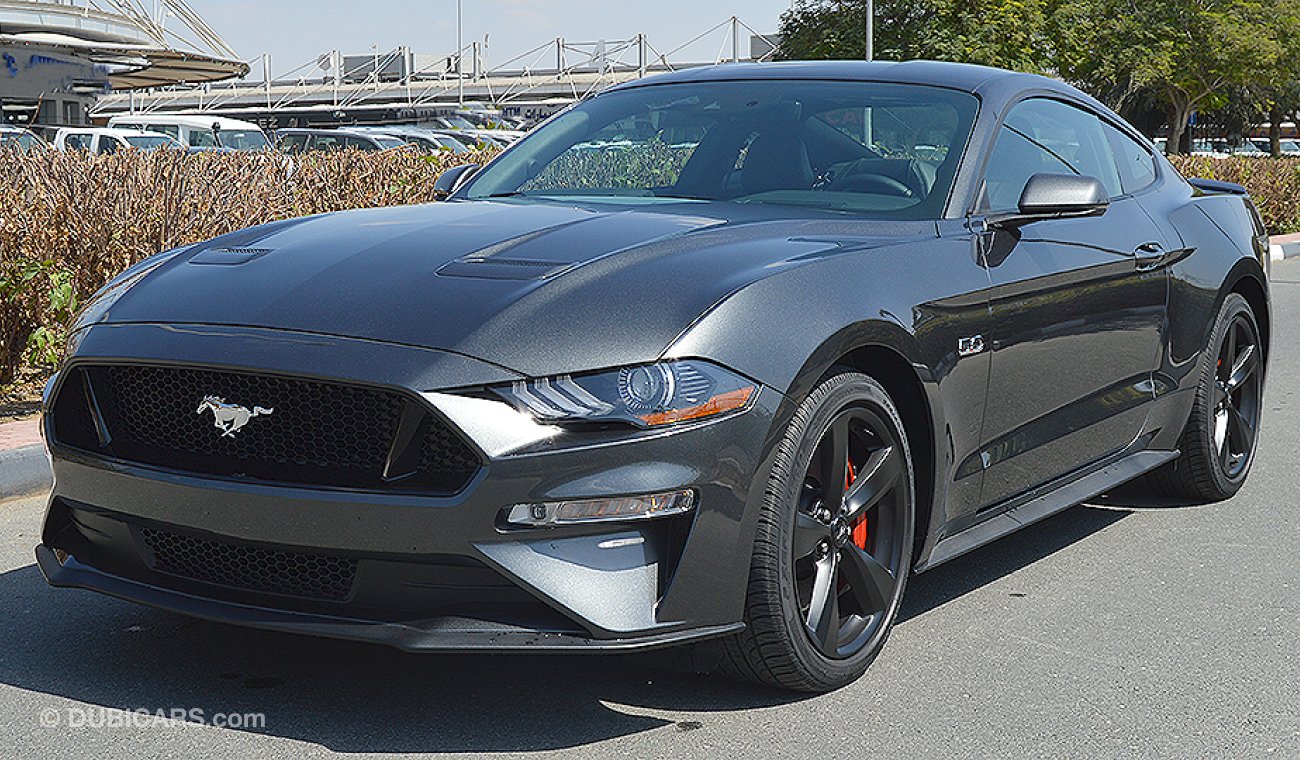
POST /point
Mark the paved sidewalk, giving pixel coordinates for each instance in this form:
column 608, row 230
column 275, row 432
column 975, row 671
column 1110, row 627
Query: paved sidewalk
column 17, row 435
column 24, row 469
column 1284, row 246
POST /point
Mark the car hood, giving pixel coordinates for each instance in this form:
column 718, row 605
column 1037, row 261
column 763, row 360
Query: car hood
column 535, row 287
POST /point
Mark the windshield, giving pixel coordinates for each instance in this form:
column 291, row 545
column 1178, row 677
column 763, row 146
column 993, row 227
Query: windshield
column 149, row 142
column 878, row 149
column 24, row 140
column 242, row 139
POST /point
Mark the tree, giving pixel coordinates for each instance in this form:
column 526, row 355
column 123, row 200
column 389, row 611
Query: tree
column 1183, row 54
column 1006, row 33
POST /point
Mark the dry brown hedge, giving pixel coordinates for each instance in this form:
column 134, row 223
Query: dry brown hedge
column 1274, row 183
column 71, row 221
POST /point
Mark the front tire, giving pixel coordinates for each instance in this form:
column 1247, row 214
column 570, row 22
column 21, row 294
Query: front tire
column 834, row 544
column 1218, row 445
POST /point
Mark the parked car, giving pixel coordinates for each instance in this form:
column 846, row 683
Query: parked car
column 1247, row 148
column 472, row 135
column 295, row 141
column 20, row 138
column 105, row 140
column 1289, row 147
column 202, row 131
column 598, row 404
column 425, row 140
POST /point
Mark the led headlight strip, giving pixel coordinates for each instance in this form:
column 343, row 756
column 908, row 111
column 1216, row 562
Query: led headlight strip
column 648, row 395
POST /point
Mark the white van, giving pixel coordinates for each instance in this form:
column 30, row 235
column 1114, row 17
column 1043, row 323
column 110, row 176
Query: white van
column 198, row 130
column 103, row 141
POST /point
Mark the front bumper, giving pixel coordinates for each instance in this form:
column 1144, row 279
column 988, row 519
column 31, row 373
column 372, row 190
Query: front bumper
column 431, row 573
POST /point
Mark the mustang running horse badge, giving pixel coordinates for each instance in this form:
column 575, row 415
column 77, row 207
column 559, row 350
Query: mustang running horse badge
column 230, row 418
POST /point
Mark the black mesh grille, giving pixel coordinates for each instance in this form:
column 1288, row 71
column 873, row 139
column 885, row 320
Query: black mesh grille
column 311, row 576
column 291, row 430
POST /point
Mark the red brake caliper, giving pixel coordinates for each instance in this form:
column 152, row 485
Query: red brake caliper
column 859, row 525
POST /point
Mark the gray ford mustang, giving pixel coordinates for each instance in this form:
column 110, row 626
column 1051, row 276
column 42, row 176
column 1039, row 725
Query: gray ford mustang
column 719, row 357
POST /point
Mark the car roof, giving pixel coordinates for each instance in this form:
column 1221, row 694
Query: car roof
column 310, row 131
column 185, row 120
column 959, row 76
column 116, row 131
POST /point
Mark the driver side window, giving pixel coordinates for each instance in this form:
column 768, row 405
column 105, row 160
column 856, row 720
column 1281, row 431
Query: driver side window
column 1046, row 136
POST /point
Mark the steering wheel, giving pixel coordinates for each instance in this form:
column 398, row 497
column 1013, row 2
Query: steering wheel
column 877, row 183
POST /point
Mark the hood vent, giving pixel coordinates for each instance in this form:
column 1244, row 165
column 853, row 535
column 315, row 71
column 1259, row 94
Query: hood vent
column 502, row 268
column 228, row 256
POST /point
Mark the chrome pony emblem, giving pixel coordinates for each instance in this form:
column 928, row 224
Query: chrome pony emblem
column 230, row 418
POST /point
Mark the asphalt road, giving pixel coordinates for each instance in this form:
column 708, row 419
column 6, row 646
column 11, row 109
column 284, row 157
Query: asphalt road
column 1129, row 628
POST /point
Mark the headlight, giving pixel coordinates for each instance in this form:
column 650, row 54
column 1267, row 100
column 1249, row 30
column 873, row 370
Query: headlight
column 649, row 395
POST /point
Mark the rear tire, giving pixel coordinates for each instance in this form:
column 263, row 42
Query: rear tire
column 834, row 543
column 1217, row 448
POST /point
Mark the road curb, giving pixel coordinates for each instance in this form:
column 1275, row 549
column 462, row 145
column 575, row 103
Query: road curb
column 24, row 472
column 1284, row 247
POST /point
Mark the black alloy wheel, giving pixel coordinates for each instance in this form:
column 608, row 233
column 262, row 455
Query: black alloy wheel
column 1217, row 447
column 847, row 555
column 1236, row 397
column 834, row 545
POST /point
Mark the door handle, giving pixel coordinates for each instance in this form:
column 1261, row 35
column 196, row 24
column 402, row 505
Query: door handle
column 1150, row 256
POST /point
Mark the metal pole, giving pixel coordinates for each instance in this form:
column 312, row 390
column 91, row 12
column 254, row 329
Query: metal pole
column 871, row 33
column 266, row 75
column 460, row 56
column 735, row 40
column 641, row 57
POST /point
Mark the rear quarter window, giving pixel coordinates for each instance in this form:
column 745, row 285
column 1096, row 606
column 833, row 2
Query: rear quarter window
column 1137, row 167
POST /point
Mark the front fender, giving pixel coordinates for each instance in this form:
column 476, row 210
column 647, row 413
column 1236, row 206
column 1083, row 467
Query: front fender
column 916, row 300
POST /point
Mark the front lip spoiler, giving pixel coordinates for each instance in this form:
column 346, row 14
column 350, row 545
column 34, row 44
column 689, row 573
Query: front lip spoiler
column 437, row 636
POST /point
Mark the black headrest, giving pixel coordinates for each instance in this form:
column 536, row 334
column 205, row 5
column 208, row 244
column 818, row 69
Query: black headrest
column 777, row 161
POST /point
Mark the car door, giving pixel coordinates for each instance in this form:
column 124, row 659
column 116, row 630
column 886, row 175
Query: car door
column 1077, row 308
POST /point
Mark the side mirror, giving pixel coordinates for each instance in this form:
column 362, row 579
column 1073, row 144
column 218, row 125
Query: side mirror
column 450, row 181
column 1052, row 195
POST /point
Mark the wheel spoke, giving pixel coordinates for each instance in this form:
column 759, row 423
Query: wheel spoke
column 808, row 533
column 878, row 477
column 1243, row 367
column 824, row 613
column 835, row 464
column 1240, row 431
column 871, row 582
column 1221, row 431
column 1230, row 350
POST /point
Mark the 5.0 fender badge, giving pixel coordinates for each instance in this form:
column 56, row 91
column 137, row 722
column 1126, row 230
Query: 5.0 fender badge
column 230, row 418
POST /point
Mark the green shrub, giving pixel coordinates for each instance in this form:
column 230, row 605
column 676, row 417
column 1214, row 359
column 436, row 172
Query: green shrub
column 73, row 220
column 1274, row 184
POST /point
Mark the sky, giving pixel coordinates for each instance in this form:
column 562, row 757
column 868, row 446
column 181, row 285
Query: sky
column 297, row 32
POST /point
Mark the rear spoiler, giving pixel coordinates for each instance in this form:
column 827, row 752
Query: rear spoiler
column 1215, row 187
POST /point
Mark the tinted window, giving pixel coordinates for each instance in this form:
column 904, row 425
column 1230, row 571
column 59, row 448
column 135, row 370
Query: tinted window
column 1137, row 167
column 886, row 150
column 1046, row 136
column 326, row 142
column 149, row 142
column 171, row 130
column 359, row 143
column 107, row 145
column 295, row 143
column 202, row 138
column 242, row 139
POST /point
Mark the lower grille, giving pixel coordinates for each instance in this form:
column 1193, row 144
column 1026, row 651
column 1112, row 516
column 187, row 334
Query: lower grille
column 309, row 576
